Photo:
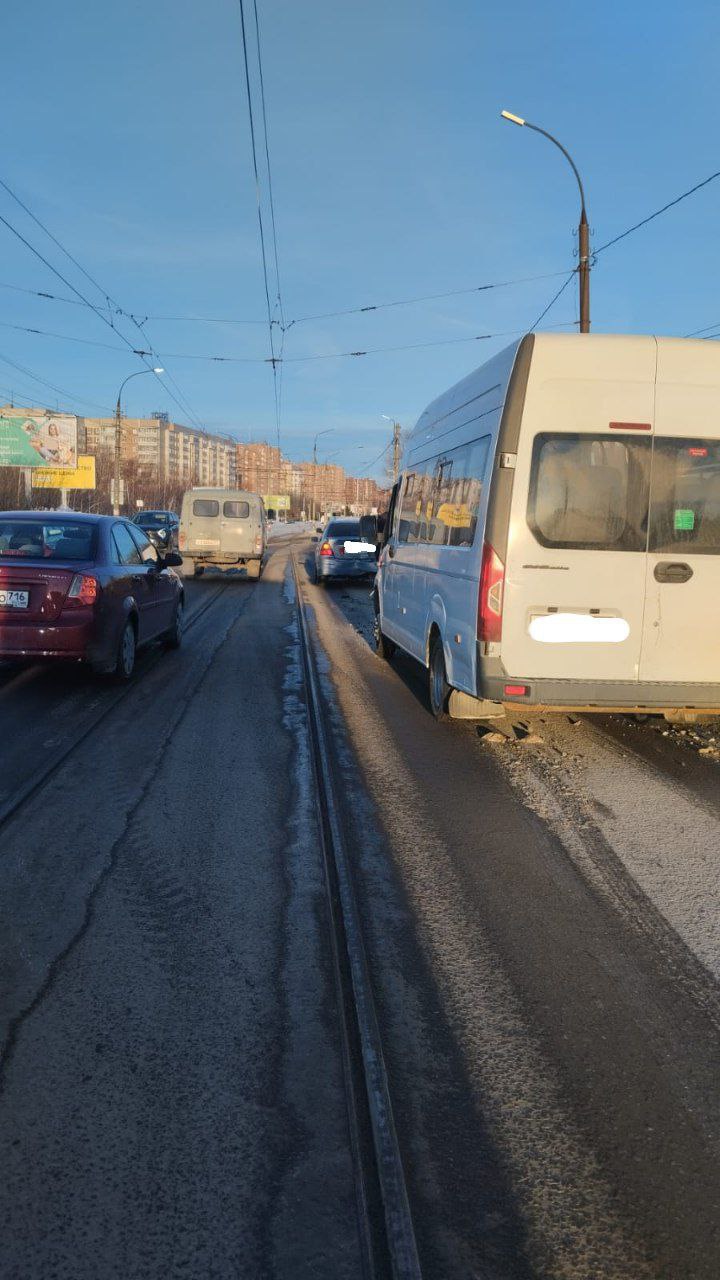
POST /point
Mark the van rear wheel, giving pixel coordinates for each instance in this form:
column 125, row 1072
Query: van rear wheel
column 438, row 687
column 384, row 648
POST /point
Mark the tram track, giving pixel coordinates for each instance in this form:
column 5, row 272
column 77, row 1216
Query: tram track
column 11, row 806
column 390, row 1245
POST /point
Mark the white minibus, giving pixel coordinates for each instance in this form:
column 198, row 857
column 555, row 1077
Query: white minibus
column 553, row 540
column 222, row 528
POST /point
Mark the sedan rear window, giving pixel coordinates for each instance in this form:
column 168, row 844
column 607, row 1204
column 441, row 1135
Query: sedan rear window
column 206, row 507
column 46, row 540
column 343, row 529
column 236, row 510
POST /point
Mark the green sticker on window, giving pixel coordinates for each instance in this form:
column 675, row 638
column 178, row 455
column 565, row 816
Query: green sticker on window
column 684, row 519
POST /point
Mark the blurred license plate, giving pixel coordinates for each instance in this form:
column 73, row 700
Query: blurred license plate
column 14, row 599
column 359, row 548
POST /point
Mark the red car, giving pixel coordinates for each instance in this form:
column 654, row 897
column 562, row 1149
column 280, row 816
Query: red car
column 90, row 588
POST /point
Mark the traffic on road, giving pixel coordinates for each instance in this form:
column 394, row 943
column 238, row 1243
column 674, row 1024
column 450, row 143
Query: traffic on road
column 359, row 642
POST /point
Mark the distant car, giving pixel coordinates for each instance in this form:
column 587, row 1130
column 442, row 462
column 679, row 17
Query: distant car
column 89, row 588
column 161, row 527
column 341, row 552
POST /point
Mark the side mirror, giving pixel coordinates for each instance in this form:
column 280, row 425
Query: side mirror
column 172, row 560
column 318, row 529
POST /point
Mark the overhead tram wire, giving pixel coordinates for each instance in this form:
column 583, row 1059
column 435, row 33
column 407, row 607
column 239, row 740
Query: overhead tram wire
column 263, row 253
column 35, row 377
column 185, row 407
column 670, row 205
column 554, row 299
column 271, row 201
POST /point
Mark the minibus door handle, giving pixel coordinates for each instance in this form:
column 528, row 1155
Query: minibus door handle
column 672, row 571
column 391, row 551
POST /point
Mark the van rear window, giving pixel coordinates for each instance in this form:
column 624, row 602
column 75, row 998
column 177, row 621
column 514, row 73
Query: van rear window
column 236, row 510
column 206, row 507
column 589, row 492
column 685, row 496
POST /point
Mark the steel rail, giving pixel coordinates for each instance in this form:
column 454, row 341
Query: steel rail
column 35, row 784
column 399, row 1230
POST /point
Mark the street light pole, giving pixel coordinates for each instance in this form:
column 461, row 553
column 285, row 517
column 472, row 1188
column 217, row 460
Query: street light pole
column 118, row 436
column 397, row 429
column 583, row 228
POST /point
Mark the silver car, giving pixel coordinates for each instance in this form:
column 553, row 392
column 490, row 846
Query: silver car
column 342, row 552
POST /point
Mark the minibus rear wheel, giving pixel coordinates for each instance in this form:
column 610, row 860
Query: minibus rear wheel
column 438, row 687
column 384, row 648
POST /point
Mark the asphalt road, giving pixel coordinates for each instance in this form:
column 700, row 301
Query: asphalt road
column 544, row 955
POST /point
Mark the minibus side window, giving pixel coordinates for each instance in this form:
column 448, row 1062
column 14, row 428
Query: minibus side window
column 451, row 495
column 685, row 510
column 589, row 492
column 407, row 522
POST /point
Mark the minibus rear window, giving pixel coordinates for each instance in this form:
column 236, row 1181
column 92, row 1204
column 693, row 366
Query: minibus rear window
column 206, row 507
column 685, row 512
column 589, row 492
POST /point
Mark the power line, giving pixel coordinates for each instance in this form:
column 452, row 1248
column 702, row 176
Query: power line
column 51, row 385
column 263, row 254
column 271, row 200
column 554, row 299
column 429, row 297
column 184, row 407
column 656, row 214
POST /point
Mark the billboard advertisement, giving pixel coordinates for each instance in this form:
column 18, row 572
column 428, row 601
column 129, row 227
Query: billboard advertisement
column 81, row 477
column 276, row 501
column 38, row 440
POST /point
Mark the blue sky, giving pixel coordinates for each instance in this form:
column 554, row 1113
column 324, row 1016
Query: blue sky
column 125, row 130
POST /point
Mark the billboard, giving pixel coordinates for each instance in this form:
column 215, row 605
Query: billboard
column 38, row 440
column 81, row 477
column 276, row 501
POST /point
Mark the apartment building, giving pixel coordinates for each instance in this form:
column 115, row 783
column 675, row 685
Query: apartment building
column 166, row 451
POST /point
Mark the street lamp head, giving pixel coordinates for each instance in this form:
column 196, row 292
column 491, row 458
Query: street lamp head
column 159, row 369
column 508, row 115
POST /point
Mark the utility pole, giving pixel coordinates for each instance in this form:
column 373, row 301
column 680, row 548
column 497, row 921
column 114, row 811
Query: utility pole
column 118, row 459
column 583, row 228
column 396, row 451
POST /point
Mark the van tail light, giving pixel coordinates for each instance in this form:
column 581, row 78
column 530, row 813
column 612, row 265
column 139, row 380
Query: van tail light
column 258, row 543
column 182, row 540
column 326, row 549
column 83, row 591
column 490, row 596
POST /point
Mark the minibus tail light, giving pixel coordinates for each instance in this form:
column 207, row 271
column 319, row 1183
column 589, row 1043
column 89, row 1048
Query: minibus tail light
column 490, row 597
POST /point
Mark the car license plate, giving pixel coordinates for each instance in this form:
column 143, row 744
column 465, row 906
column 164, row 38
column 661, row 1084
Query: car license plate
column 14, row 599
column 363, row 549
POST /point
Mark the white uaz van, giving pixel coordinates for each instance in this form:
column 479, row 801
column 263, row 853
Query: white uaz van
column 554, row 537
column 222, row 528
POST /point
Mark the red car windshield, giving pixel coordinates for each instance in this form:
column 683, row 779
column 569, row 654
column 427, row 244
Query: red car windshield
column 46, row 540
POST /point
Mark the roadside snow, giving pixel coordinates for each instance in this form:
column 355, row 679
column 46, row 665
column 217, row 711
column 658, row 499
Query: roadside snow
column 282, row 530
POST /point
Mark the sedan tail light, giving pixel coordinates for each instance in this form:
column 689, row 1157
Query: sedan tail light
column 326, row 549
column 83, row 591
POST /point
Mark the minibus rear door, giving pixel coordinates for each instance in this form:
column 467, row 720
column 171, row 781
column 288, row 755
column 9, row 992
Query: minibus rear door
column 576, row 557
column 682, row 608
